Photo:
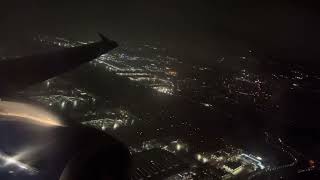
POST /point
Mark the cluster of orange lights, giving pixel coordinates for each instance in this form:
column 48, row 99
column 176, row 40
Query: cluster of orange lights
column 171, row 73
column 312, row 163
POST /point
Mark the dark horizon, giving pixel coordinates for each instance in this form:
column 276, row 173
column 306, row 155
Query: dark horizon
column 198, row 31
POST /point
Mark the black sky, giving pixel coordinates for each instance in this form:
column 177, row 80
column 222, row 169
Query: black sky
column 195, row 30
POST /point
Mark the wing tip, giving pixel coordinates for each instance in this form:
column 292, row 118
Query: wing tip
column 105, row 39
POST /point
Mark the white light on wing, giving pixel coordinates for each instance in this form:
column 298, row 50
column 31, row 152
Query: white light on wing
column 12, row 161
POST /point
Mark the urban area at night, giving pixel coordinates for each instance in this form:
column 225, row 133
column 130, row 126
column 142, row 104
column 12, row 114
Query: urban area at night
column 177, row 148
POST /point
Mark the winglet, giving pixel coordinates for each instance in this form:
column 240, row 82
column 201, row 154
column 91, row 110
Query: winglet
column 104, row 38
column 108, row 41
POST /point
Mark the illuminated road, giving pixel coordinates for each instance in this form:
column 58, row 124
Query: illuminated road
column 285, row 149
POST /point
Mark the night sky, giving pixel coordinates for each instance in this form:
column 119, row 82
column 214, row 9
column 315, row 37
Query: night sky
column 193, row 30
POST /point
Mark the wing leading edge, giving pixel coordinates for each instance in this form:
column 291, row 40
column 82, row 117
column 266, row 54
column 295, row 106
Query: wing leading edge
column 17, row 74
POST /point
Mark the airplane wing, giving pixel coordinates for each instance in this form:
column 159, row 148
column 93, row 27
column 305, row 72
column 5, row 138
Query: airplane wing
column 19, row 73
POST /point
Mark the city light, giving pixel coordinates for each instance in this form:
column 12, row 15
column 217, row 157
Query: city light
column 115, row 126
column 252, row 160
column 225, row 92
column 205, row 160
column 75, row 103
column 164, row 90
column 48, row 83
column 78, row 97
column 103, row 128
column 63, row 104
column 199, row 157
column 109, row 119
column 206, row 104
column 178, row 147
